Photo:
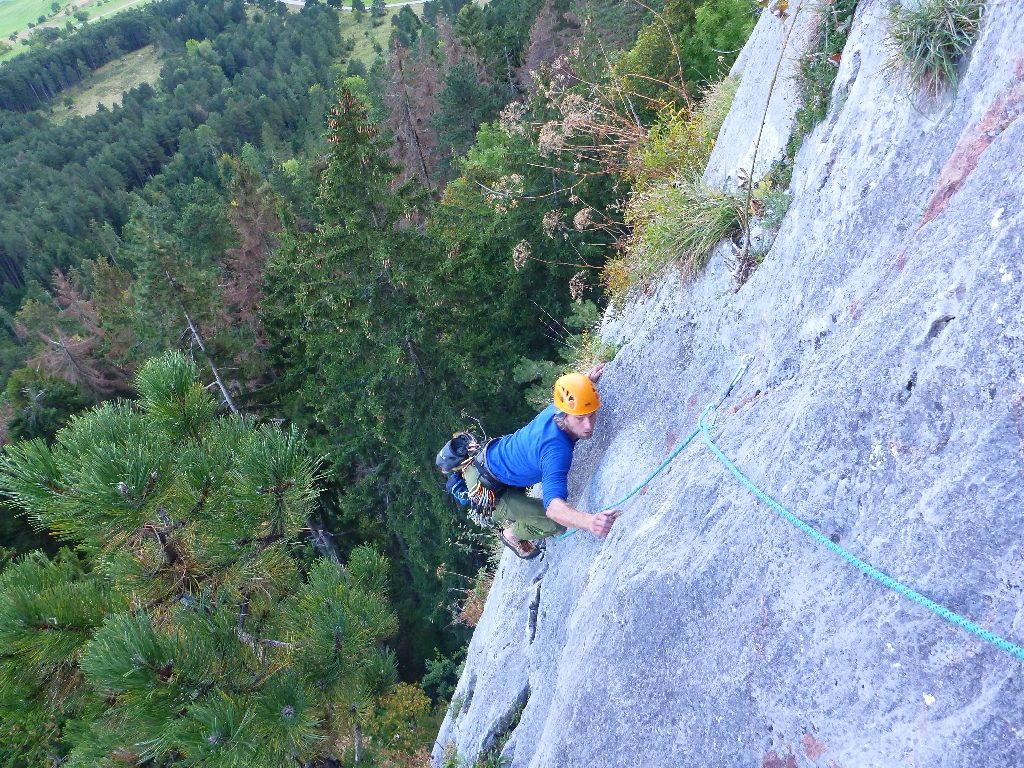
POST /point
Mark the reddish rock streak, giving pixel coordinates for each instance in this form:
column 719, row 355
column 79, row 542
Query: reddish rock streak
column 974, row 141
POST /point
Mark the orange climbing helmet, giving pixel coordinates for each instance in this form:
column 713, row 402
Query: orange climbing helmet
column 575, row 395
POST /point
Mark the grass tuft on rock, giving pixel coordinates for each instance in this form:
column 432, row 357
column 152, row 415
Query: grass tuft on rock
column 929, row 42
column 679, row 222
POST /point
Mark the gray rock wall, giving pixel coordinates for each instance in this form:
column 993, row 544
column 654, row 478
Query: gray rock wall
column 761, row 118
column 884, row 404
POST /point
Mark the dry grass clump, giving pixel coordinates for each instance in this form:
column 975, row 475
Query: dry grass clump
column 675, row 218
column 421, row 758
column 475, row 597
column 929, row 41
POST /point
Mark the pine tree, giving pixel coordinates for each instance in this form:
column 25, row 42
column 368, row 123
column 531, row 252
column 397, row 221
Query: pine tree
column 69, row 339
column 189, row 635
column 41, row 403
column 464, row 104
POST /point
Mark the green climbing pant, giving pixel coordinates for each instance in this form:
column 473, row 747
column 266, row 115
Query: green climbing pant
column 526, row 513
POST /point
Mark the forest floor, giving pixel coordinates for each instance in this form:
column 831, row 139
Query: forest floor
column 109, row 82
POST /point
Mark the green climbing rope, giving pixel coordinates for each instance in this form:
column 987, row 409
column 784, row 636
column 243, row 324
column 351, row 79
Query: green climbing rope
column 849, row 557
column 640, row 487
column 704, row 427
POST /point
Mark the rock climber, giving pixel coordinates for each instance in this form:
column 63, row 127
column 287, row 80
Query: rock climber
column 540, row 452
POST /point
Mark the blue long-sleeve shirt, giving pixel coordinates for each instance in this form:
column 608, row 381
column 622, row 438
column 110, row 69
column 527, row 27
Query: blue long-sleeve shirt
column 538, row 453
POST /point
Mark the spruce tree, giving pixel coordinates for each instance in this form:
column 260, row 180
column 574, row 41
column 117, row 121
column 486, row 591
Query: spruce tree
column 344, row 311
column 184, row 631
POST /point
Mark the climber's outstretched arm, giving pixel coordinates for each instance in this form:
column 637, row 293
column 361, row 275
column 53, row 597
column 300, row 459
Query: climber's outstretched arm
column 564, row 514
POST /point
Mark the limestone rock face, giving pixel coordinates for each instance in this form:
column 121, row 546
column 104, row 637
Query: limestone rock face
column 884, row 404
column 761, row 118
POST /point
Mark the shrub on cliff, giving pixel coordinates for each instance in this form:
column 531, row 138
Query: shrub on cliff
column 675, row 218
column 684, row 49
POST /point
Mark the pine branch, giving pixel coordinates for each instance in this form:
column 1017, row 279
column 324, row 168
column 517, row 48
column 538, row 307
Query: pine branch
column 320, row 538
column 258, row 645
column 244, row 611
column 415, row 357
column 170, row 549
column 263, row 541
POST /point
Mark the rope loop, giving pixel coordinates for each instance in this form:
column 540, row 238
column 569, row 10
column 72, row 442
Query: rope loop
column 710, row 408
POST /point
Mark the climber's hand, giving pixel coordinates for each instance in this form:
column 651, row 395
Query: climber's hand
column 601, row 523
column 595, row 373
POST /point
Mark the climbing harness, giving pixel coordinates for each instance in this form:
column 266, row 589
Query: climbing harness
column 706, row 422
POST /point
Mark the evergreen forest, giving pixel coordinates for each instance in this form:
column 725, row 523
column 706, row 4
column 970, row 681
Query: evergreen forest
column 244, row 307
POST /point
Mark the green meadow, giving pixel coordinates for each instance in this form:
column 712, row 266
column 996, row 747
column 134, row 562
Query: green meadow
column 16, row 14
column 106, row 85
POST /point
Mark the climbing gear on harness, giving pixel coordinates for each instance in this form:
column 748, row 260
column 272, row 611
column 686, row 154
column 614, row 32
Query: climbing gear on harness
column 486, row 492
column 704, row 426
column 575, row 395
column 486, row 476
column 481, row 499
column 479, row 491
column 523, row 549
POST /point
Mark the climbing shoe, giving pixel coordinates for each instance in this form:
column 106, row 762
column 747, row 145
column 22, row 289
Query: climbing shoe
column 525, row 550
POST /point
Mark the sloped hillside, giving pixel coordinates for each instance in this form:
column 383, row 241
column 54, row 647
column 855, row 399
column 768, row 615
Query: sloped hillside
column 882, row 404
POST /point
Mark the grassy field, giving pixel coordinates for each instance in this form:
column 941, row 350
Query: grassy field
column 104, row 8
column 365, row 34
column 16, row 14
column 110, row 81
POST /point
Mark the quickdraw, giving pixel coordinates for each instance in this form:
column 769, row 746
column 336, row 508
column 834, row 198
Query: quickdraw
column 481, row 506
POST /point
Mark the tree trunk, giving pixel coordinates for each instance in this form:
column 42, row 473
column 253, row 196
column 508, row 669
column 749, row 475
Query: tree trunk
column 199, row 340
column 412, row 122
